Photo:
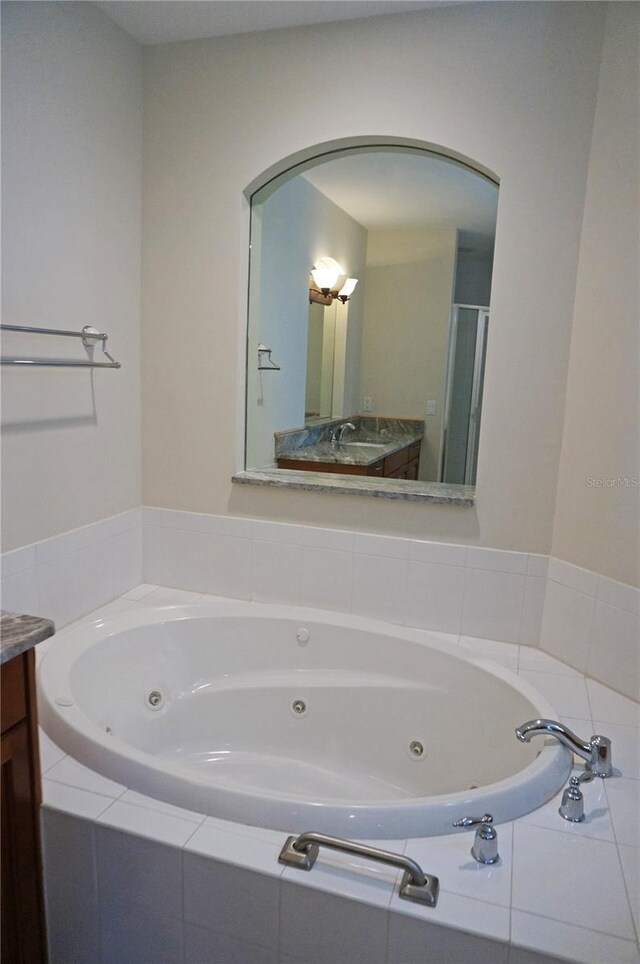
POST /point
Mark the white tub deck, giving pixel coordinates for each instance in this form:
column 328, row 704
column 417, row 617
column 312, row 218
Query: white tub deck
column 561, row 891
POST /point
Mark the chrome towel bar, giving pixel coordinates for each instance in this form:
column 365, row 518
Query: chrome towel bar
column 89, row 337
column 87, row 333
column 302, row 852
column 57, row 363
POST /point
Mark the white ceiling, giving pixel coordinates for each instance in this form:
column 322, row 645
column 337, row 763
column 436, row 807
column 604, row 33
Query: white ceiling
column 392, row 189
column 167, row 21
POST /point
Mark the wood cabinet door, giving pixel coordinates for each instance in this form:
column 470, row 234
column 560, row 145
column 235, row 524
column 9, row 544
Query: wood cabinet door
column 400, row 473
column 23, row 939
column 412, row 470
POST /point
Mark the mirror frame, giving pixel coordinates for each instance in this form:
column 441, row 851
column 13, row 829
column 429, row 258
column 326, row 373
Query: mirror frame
column 294, row 164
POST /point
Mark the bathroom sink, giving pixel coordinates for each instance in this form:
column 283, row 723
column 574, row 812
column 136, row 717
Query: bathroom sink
column 365, row 445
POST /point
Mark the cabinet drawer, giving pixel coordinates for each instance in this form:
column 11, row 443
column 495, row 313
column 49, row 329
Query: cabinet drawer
column 414, row 451
column 377, row 468
column 12, row 682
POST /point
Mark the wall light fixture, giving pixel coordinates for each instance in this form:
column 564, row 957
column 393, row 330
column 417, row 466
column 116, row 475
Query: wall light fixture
column 328, row 280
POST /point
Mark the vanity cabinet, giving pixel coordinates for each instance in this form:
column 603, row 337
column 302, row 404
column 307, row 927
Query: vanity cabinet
column 23, row 921
column 402, row 464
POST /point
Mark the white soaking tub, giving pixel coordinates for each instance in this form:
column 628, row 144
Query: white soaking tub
column 297, row 719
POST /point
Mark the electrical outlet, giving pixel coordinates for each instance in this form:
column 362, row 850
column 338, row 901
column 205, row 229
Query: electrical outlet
column 367, row 403
column 431, row 407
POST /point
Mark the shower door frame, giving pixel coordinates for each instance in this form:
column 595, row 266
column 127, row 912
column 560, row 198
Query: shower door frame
column 481, row 338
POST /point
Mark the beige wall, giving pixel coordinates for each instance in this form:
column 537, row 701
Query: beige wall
column 511, row 85
column 408, row 293
column 72, row 158
column 597, row 522
column 315, row 358
column 291, row 228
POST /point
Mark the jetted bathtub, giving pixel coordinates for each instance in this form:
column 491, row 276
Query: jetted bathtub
column 297, row 719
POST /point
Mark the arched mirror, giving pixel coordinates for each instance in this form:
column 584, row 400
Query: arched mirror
column 369, row 314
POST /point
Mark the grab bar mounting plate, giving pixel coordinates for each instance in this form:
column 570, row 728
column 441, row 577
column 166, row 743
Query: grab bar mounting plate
column 421, row 895
column 303, row 859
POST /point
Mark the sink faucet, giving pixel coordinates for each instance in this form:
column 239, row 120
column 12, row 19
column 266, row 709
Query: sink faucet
column 337, row 433
column 596, row 751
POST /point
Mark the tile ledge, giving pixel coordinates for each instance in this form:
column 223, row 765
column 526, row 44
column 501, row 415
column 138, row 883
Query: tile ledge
column 399, row 489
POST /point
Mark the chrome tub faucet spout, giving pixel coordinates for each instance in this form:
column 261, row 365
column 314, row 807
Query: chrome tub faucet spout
column 596, row 752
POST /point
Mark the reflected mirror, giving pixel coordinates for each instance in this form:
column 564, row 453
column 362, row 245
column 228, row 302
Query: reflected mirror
column 370, row 285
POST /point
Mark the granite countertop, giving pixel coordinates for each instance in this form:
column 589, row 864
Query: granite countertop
column 435, row 492
column 346, row 453
column 19, row 633
column 310, row 443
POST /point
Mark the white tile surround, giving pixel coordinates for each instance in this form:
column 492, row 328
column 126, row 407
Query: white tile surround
column 593, row 623
column 588, row 621
column 151, row 882
column 69, row 575
column 497, row 603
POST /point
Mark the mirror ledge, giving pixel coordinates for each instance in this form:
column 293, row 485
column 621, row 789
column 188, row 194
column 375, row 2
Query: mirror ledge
column 435, row 492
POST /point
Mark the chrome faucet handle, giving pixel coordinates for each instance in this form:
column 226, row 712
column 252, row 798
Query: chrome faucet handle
column 600, row 764
column 485, row 844
column 572, row 806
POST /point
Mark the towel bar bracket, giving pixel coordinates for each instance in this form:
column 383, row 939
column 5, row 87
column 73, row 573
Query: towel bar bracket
column 271, row 365
column 91, row 335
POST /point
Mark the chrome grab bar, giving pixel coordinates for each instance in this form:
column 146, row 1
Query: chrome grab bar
column 302, row 852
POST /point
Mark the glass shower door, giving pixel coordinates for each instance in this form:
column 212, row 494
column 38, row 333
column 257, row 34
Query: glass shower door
column 463, row 399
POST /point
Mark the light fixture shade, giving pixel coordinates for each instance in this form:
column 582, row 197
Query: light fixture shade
column 325, row 273
column 348, row 288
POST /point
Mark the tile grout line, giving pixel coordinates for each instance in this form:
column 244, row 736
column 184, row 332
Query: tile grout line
column 78, row 816
column 580, row 927
column 73, row 786
column 522, row 607
column 564, row 585
column 513, row 861
column 94, row 839
column 182, row 899
column 624, row 882
column 463, row 600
